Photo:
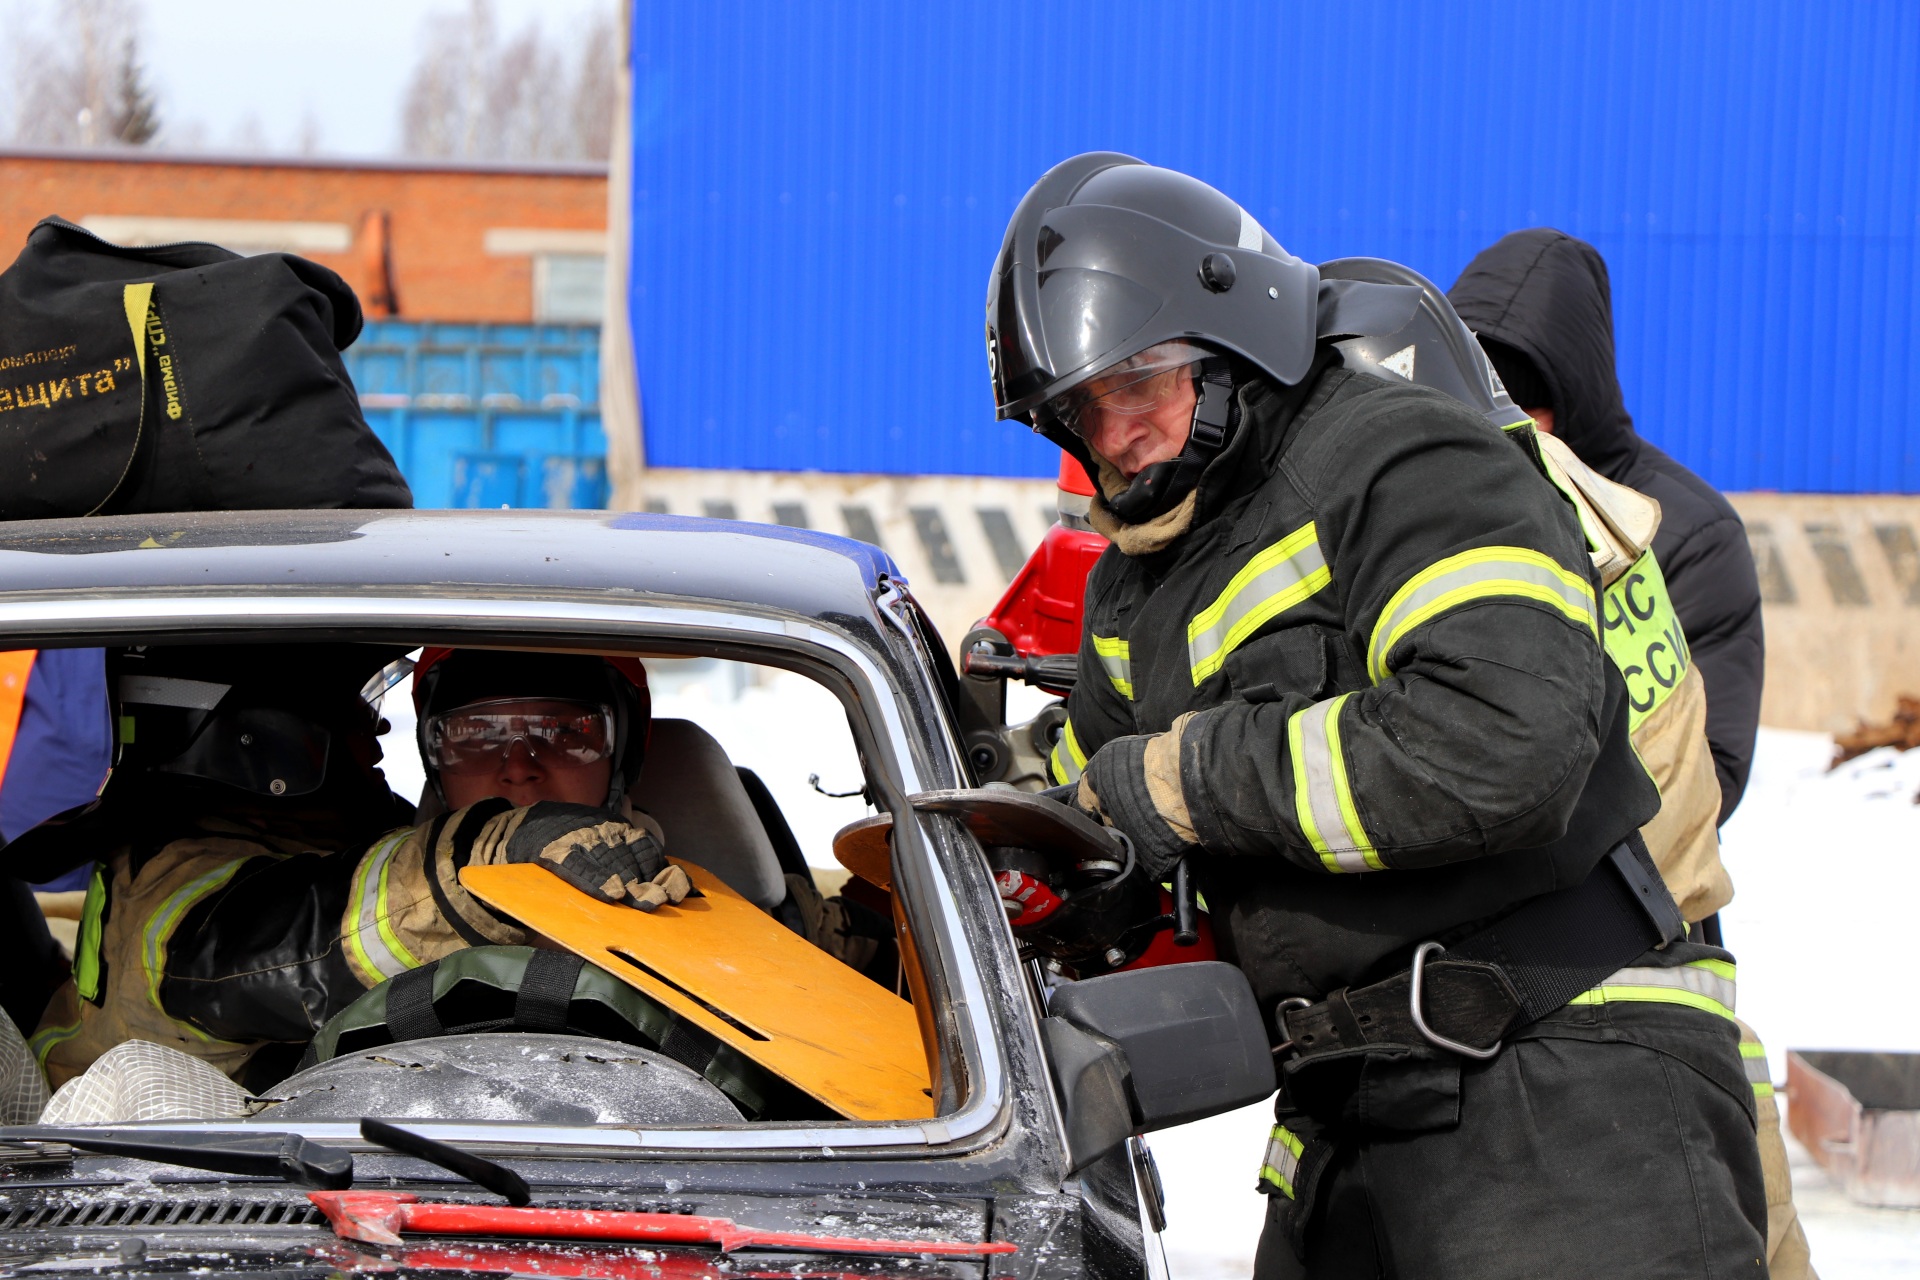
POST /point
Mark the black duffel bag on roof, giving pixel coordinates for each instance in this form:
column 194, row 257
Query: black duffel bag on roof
column 179, row 377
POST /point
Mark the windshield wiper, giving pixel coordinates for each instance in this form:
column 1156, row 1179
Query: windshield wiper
column 268, row 1155
column 496, row 1178
column 287, row 1156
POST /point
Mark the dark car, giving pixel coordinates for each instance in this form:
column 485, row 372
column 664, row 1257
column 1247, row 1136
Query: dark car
column 1025, row 1159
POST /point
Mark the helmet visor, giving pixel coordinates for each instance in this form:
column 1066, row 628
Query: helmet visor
column 1140, row 384
column 561, row 735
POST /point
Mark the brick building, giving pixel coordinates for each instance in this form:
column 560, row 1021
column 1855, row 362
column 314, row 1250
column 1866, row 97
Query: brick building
column 466, row 242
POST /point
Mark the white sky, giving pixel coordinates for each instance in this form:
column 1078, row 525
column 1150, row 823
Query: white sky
column 219, row 62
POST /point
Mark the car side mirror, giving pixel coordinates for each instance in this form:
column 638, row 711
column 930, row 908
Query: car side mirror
column 1151, row 1048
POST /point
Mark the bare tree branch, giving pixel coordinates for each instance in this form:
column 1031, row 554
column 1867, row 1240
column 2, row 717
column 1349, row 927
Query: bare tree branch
column 473, row 95
column 82, row 83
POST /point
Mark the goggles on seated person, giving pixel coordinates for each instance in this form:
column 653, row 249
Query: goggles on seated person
column 558, row 734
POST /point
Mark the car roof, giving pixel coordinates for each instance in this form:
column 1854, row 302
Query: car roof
column 764, row 566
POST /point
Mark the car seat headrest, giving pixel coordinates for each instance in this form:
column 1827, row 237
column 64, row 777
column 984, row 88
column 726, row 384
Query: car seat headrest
column 691, row 789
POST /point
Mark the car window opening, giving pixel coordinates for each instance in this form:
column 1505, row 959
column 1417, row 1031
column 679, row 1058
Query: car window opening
column 327, row 881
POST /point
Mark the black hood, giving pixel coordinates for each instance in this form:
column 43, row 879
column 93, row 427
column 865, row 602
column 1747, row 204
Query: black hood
column 1546, row 294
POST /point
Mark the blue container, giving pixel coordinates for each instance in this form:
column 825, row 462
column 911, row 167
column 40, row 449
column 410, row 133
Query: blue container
column 487, row 415
column 820, row 189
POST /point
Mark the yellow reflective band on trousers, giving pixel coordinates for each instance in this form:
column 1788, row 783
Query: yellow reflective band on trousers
column 1282, row 1160
column 1116, row 657
column 1274, row 581
column 161, row 923
column 42, row 1042
column 373, row 948
column 1707, row 985
column 1068, row 760
column 1322, row 797
column 1643, row 637
column 1484, row 573
column 1753, row 1056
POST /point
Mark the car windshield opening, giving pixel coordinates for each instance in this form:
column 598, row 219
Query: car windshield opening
column 427, row 882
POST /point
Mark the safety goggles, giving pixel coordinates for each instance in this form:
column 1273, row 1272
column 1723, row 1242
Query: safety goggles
column 1139, row 384
column 562, row 735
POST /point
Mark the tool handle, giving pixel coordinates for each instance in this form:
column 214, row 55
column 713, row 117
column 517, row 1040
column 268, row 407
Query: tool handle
column 1186, row 907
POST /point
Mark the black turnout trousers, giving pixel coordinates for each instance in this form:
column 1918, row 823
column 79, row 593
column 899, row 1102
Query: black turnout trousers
column 1612, row 1140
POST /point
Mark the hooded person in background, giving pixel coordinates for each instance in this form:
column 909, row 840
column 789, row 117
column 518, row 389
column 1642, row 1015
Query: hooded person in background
column 1542, row 306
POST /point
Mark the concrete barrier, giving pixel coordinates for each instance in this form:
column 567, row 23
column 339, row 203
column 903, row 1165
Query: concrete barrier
column 1840, row 587
column 1839, row 574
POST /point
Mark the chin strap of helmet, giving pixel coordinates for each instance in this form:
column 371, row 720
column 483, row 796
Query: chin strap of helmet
column 1162, row 486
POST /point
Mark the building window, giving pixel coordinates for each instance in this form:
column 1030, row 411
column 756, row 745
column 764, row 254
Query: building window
column 569, row 287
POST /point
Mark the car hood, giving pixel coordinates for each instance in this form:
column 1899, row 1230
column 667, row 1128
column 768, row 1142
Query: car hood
column 137, row 1229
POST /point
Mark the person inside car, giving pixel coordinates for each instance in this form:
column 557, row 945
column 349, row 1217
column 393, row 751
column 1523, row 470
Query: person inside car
column 529, row 757
column 236, row 932
column 235, row 941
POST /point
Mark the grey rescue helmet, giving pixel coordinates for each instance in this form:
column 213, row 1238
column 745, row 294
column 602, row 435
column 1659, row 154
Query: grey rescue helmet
column 1107, row 256
column 1431, row 346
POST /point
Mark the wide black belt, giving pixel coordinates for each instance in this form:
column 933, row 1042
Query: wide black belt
column 1466, row 998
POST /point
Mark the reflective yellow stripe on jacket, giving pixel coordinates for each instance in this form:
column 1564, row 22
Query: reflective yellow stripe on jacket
column 1068, row 760
column 1283, row 1160
column 1707, row 985
column 1116, row 657
column 374, row 950
column 1753, row 1056
column 1322, row 796
column 1274, row 581
column 1481, row 574
column 161, row 923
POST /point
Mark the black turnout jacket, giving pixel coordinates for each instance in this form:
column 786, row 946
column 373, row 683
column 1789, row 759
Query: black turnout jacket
column 1382, row 616
column 1547, row 295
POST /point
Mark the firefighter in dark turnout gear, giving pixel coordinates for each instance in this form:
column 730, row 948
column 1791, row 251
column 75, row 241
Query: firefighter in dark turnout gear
column 1342, row 657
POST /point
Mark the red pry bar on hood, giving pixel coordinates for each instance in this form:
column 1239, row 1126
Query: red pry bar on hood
column 380, row 1217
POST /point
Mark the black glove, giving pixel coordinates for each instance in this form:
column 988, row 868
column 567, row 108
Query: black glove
column 1115, row 789
column 595, row 850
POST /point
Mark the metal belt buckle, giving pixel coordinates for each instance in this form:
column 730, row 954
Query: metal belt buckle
column 1434, row 1038
column 1280, row 1020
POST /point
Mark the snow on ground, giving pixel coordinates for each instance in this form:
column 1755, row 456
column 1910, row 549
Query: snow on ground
column 1826, row 874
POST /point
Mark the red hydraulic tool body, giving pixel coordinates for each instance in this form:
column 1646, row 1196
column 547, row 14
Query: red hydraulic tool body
column 1040, row 617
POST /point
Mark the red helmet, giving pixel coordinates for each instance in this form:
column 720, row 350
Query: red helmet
column 445, row 679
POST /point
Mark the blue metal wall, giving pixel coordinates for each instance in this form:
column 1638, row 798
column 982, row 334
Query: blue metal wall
column 820, row 189
column 487, row 415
